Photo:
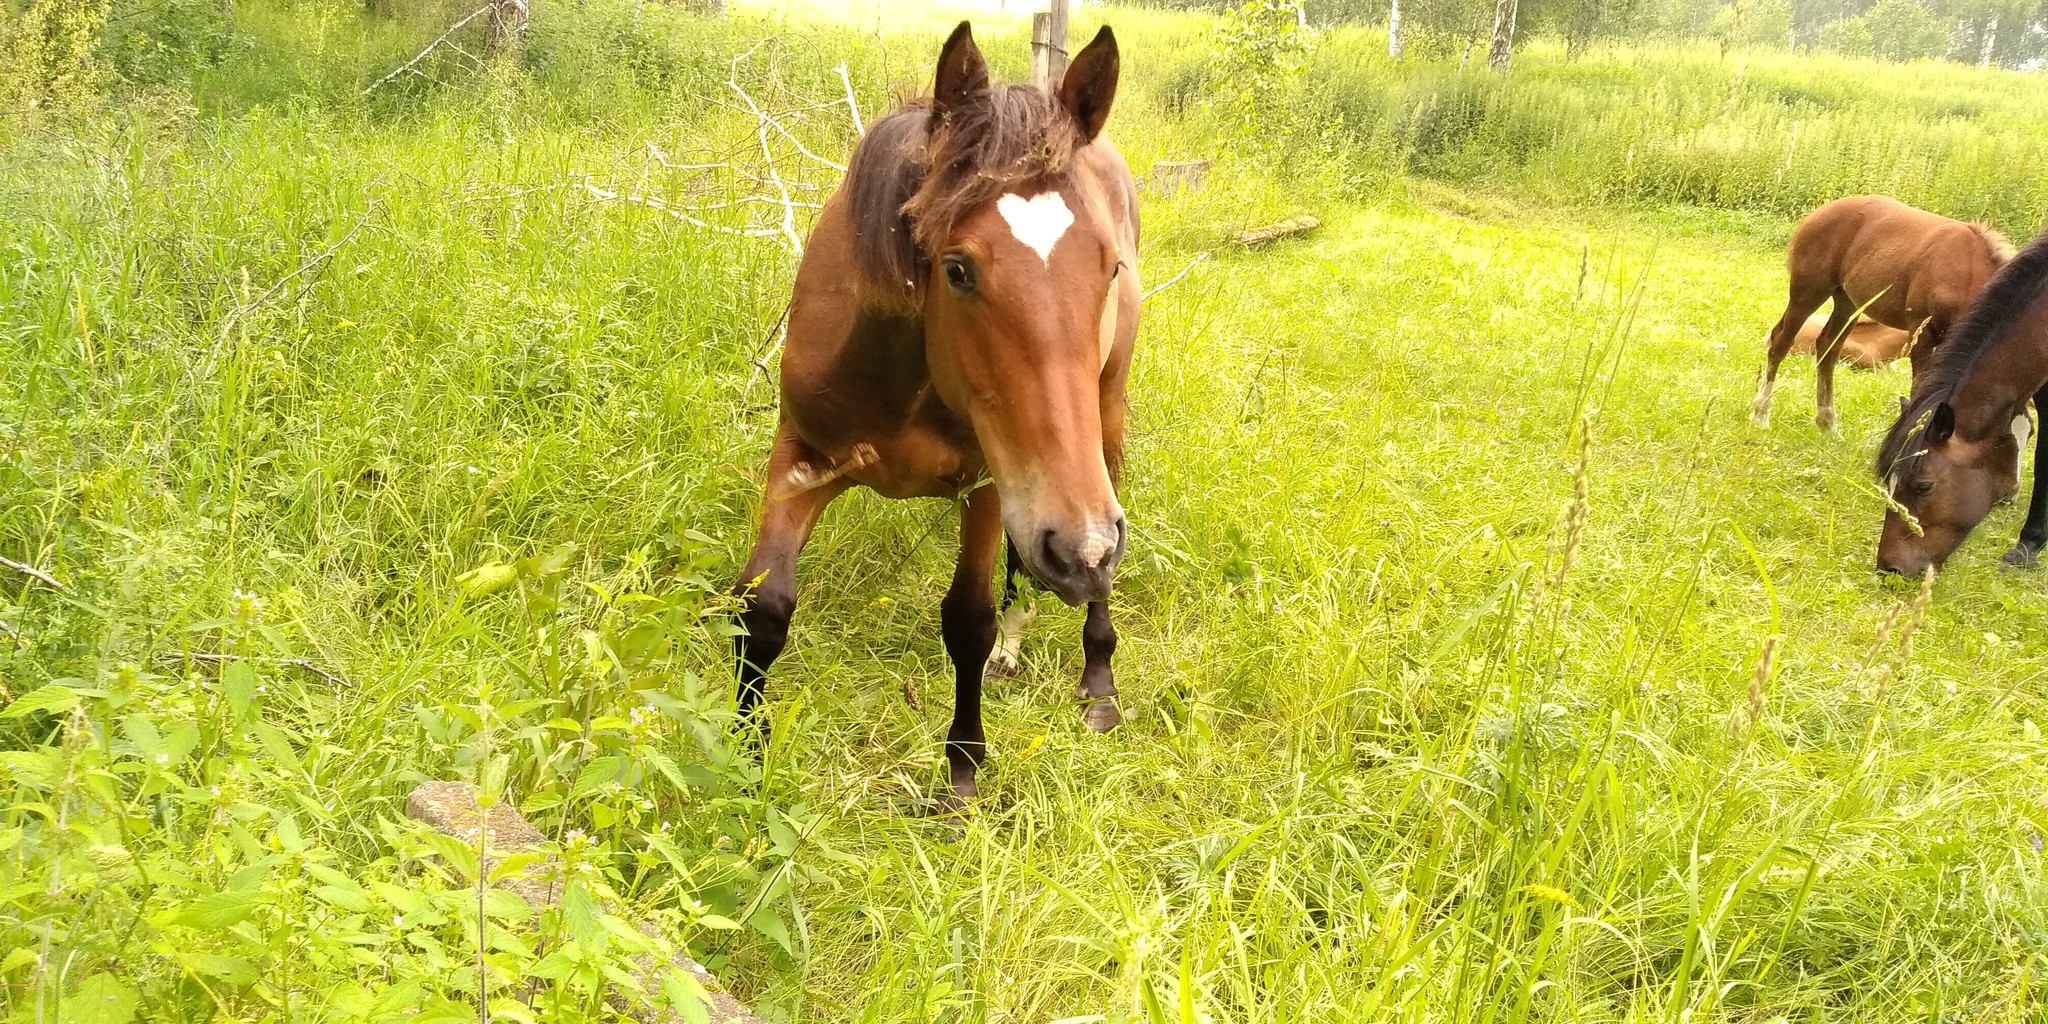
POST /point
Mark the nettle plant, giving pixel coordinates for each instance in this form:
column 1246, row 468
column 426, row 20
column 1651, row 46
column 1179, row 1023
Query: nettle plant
column 218, row 836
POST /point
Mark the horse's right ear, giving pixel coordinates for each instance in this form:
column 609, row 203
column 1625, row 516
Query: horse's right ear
column 1942, row 425
column 962, row 80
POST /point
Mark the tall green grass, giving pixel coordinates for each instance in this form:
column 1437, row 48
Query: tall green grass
column 1441, row 706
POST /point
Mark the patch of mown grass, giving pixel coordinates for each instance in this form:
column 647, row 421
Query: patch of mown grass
column 1439, row 706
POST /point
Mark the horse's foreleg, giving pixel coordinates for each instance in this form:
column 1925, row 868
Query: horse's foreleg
column 1098, row 683
column 967, row 619
column 1827, row 351
column 1007, row 659
column 2026, row 553
column 767, row 586
column 1780, row 340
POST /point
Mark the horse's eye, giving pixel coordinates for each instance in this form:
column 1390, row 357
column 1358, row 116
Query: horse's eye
column 1921, row 488
column 959, row 273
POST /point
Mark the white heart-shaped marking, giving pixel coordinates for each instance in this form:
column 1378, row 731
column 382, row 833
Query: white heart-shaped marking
column 1038, row 222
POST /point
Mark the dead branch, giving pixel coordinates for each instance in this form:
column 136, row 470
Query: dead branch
column 422, row 55
column 227, row 324
column 33, row 573
column 1174, row 280
column 670, row 209
column 208, row 658
column 852, row 107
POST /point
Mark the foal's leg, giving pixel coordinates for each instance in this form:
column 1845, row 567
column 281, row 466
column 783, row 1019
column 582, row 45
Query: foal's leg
column 1098, row 683
column 1804, row 300
column 1827, row 350
column 1007, row 659
column 967, row 619
column 767, row 586
column 2035, row 533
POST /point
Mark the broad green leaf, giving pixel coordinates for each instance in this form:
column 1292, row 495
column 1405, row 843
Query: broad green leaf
column 238, row 683
column 55, row 698
column 100, row 999
column 686, row 996
column 231, row 969
column 20, row 957
column 216, row 912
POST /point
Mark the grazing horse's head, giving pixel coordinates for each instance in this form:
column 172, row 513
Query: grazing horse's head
column 1945, row 479
column 1015, row 249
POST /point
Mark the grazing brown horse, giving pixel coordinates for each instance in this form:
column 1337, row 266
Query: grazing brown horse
column 1866, row 346
column 1955, row 449
column 964, row 314
column 1905, row 268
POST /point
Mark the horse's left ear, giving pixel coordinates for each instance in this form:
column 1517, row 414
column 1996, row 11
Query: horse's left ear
column 962, row 79
column 1089, row 86
column 1942, row 425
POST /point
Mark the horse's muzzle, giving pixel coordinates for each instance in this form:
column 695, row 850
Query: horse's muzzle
column 1078, row 564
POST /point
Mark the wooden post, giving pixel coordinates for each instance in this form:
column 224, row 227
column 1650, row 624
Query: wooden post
column 1049, row 46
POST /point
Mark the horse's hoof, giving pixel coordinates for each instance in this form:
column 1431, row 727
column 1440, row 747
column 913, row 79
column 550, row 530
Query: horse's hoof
column 1825, row 419
column 2022, row 557
column 1760, row 417
column 1002, row 664
column 1102, row 715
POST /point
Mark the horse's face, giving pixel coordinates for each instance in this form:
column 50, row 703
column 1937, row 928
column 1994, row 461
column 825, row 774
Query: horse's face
column 1019, row 317
column 1949, row 489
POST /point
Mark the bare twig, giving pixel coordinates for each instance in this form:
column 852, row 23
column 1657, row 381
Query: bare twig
column 777, row 335
column 227, row 324
column 1175, row 279
column 852, row 107
column 662, row 206
column 301, row 664
column 33, row 573
column 422, row 55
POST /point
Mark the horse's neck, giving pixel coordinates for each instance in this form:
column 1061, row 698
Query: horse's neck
column 2008, row 373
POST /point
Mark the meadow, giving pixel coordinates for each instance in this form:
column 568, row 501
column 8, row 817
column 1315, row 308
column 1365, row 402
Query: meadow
column 1480, row 661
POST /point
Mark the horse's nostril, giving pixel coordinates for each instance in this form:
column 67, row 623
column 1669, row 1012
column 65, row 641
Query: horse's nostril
column 1049, row 550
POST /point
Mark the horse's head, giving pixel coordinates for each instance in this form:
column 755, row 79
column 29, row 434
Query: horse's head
column 1946, row 480
column 1019, row 309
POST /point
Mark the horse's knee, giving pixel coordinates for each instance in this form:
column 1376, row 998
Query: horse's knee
column 967, row 620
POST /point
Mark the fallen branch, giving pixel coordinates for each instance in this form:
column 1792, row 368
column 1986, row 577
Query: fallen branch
column 661, row 206
column 1253, row 237
column 852, row 107
column 1174, row 280
column 33, row 573
column 227, row 324
column 301, row 664
column 422, row 55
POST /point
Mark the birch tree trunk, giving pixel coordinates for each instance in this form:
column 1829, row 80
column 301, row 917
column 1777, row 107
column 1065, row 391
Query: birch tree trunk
column 1394, row 31
column 1990, row 43
column 1503, row 35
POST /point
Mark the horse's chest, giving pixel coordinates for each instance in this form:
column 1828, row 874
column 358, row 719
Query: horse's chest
column 876, row 391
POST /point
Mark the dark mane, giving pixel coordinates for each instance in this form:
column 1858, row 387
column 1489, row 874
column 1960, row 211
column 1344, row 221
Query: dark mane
column 916, row 173
column 2004, row 300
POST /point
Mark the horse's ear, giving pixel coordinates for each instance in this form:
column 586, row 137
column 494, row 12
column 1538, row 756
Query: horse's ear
column 1089, row 86
column 962, row 80
column 1942, row 425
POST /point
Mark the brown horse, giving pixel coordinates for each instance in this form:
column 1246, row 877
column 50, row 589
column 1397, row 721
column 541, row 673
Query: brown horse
column 964, row 313
column 1867, row 345
column 1955, row 449
column 1905, row 268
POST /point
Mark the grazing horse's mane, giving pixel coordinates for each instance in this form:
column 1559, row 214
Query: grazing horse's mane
column 2004, row 300
column 918, row 171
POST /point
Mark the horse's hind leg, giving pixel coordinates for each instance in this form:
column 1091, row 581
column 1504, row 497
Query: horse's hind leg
column 1802, row 303
column 1007, row 659
column 1827, row 351
column 2026, row 553
column 967, row 619
column 767, row 586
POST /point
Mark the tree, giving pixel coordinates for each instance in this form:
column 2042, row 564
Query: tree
column 1394, row 30
column 1503, row 35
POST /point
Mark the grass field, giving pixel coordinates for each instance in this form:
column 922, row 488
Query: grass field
column 1439, row 707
